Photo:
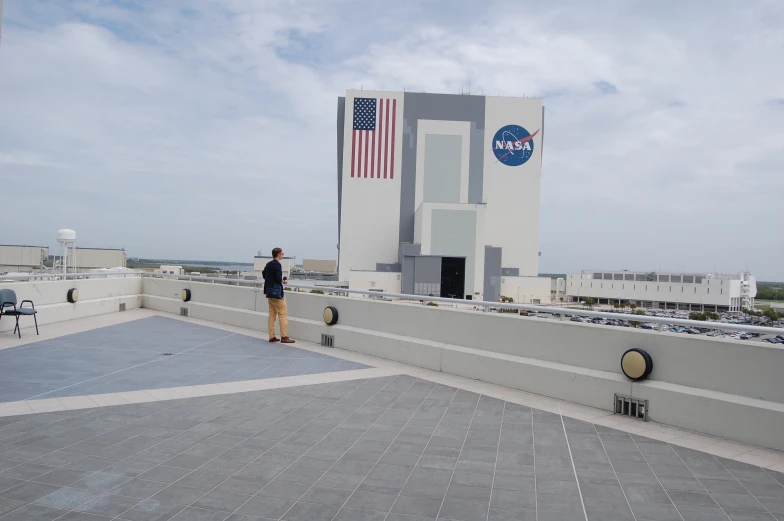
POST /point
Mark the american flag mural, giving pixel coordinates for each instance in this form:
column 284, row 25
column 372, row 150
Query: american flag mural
column 373, row 138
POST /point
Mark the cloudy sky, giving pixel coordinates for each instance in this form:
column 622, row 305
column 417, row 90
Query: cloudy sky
column 205, row 129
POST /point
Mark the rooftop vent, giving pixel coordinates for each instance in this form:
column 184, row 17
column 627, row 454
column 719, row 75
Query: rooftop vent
column 632, row 407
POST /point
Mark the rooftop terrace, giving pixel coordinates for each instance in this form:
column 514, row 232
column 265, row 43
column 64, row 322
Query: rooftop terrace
column 145, row 415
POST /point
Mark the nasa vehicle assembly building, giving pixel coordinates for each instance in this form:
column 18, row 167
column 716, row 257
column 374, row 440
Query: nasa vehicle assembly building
column 438, row 194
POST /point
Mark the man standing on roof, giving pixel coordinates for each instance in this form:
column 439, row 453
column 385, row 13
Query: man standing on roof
column 273, row 289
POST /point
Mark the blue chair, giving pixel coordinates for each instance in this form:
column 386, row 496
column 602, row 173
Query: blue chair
column 8, row 308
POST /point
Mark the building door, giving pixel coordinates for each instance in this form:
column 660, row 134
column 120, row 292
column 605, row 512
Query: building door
column 453, row 277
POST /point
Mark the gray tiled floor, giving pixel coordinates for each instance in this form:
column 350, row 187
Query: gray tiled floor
column 393, row 448
column 129, row 357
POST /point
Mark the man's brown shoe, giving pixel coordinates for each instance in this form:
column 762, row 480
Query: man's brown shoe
column 274, row 339
column 286, row 340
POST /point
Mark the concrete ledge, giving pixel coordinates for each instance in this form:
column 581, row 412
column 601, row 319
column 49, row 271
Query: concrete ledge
column 718, row 387
column 577, row 384
column 245, row 318
column 701, row 410
column 96, row 297
column 411, row 351
column 690, row 360
column 752, row 421
column 574, row 384
column 544, row 357
column 52, row 313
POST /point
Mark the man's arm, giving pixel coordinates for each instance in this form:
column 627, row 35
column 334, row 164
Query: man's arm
column 279, row 274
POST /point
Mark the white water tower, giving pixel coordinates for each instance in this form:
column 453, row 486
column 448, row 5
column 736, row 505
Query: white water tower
column 67, row 240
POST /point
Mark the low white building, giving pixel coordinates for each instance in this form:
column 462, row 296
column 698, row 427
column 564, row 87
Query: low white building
column 687, row 291
column 92, row 258
column 32, row 258
column 14, row 258
column 527, row 290
column 287, row 265
column 319, row 265
column 170, row 270
column 113, row 273
column 386, row 281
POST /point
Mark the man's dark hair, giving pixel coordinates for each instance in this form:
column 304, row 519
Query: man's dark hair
column 275, row 252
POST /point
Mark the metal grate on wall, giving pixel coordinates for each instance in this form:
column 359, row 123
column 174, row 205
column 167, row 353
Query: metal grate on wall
column 122, row 306
column 632, row 407
column 327, row 340
column 184, row 312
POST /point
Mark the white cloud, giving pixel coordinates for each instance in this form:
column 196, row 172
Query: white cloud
column 207, row 130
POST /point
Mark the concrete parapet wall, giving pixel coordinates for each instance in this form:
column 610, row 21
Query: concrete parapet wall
column 96, row 297
column 750, row 369
column 713, row 386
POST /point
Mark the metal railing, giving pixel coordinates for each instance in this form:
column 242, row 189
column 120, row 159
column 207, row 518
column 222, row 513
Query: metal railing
column 29, row 277
column 562, row 313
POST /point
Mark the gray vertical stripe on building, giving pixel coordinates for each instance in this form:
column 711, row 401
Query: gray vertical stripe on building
column 476, row 160
column 406, row 257
column 492, row 286
column 443, row 155
column 407, row 275
column 439, row 107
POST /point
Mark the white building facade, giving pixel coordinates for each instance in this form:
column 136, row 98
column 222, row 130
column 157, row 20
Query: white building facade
column 25, row 259
column 93, row 258
column 688, row 291
column 438, row 194
column 167, row 269
column 287, row 265
column 33, row 258
column 319, row 265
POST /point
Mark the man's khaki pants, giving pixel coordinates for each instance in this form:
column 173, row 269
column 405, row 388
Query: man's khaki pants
column 277, row 309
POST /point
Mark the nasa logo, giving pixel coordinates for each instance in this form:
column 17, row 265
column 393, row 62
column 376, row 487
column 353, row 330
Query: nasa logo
column 513, row 145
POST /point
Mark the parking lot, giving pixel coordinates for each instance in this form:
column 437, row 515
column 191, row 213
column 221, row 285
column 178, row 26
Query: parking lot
column 731, row 318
